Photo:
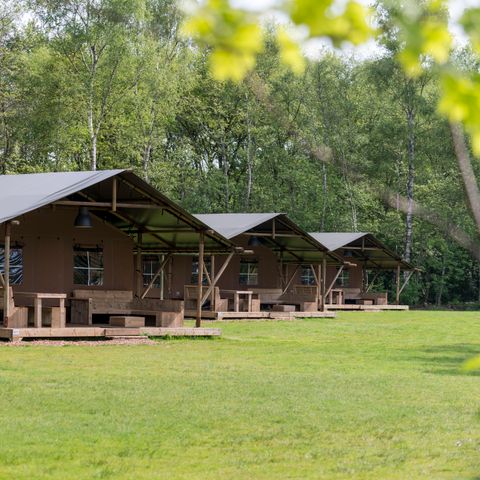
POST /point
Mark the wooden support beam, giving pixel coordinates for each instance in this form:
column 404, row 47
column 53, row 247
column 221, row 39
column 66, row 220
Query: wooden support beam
column 157, row 273
column 212, row 273
column 284, row 249
column 2, row 281
column 270, row 235
column 6, row 269
column 315, row 276
column 201, row 247
column 114, row 195
column 370, row 284
column 407, row 279
column 364, row 277
column 162, row 279
column 138, row 267
column 397, row 295
column 207, row 275
column 217, row 277
column 142, row 228
column 291, row 279
column 321, row 298
column 318, row 284
column 107, row 205
column 128, row 219
column 340, row 270
column 324, row 280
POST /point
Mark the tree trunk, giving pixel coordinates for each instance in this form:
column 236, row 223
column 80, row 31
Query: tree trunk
column 249, row 161
column 410, row 183
column 225, row 173
column 442, row 284
column 325, row 199
column 147, row 151
column 92, row 130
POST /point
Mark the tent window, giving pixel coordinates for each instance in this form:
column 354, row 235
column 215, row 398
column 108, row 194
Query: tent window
column 16, row 264
column 208, row 266
column 343, row 279
column 307, row 276
column 150, row 266
column 88, row 266
column 249, row 272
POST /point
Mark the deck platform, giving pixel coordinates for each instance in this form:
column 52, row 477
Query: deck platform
column 259, row 315
column 101, row 331
column 366, row 308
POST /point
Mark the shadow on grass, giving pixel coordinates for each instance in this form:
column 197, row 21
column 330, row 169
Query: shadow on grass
column 449, row 359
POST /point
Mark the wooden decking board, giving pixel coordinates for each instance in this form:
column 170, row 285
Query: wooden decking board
column 367, row 308
column 106, row 332
column 260, row 315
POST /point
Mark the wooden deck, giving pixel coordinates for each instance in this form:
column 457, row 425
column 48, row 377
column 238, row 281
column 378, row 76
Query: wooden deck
column 102, row 331
column 366, row 308
column 259, row 315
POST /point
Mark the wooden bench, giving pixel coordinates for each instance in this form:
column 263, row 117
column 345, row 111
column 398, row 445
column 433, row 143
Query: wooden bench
column 372, row 298
column 18, row 315
column 127, row 321
column 86, row 303
column 304, row 297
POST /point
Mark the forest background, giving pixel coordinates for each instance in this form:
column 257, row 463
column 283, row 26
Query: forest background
column 98, row 84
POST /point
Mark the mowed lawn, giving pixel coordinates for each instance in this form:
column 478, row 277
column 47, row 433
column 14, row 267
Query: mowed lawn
column 364, row 396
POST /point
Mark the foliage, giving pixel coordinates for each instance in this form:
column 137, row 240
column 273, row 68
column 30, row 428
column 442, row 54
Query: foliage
column 249, row 146
column 420, row 28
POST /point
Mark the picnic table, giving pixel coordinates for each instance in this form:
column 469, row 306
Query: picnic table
column 38, row 298
column 236, row 298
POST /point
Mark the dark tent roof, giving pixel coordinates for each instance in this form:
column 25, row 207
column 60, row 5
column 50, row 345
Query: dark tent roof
column 362, row 248
column 232, row 224
column 277, row 232
column 20, row 194
column 164, row 225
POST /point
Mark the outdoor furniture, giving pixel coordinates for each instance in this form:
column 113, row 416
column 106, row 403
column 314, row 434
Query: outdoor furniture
column 86, row 303
column 283, row 308
column 236, row 294
column 335, row 296
column 57, row 314
column 304, row 296
column 355, row 295
column 18, row 315
column 127, row 321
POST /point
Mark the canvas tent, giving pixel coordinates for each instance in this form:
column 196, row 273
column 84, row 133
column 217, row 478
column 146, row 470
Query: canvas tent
column 117, row 200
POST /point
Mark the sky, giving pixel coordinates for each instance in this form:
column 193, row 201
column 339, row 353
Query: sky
column 313, row 48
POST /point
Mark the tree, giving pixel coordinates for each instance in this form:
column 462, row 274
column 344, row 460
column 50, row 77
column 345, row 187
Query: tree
column 92, row 39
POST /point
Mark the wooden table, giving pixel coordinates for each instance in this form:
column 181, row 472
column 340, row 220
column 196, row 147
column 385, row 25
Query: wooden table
column 236, row 299
column 37, row 305
column 338, row 292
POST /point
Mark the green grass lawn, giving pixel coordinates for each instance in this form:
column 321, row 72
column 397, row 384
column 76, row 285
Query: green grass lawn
column 365, row 396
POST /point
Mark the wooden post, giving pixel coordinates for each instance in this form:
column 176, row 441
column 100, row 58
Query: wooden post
column 114, row 195
column 324, row 280
column 364, row 278
column 212, row 275
column 201, row 247
column 138, row 267
column 317, row 282
column 6, row 298
column 397, row 296
column 162, row 278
